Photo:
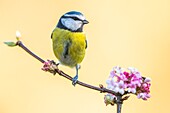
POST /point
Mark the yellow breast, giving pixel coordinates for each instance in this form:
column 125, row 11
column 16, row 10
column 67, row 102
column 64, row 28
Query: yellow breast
column 69, row 47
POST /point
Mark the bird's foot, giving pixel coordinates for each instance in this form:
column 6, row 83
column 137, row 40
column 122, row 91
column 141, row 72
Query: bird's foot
column 74, row 80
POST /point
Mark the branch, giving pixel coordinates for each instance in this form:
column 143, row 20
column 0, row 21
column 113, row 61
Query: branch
column 110, row 98
column 60, row 72
column 119, row 104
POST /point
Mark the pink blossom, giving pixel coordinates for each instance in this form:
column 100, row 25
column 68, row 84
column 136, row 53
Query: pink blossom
column 144, row 89
column 119, row 87
column 46, row 66
column 116, row 71
column 49, row 66
column 144, row 96
column 147, row 79
column 130, row 80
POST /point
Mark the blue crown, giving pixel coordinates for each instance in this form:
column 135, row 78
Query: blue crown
column 74, row 12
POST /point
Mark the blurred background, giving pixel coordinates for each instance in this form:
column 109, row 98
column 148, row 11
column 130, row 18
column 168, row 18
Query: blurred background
column 121, row 32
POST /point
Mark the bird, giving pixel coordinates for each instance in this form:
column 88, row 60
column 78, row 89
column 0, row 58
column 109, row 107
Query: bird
column 69, row 41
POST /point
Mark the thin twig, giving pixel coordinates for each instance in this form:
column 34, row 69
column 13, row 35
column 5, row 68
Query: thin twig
column 19, row 43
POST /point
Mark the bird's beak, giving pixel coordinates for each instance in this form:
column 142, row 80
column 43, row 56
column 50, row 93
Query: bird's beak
column 85, row 22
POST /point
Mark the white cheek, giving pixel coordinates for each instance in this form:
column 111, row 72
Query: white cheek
column 71, row 24
column 78, row 24
column 67, row 22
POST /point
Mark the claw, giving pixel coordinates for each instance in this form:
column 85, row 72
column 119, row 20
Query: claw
column 74, row 80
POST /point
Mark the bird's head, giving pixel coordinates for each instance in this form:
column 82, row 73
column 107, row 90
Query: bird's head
column 72, row 21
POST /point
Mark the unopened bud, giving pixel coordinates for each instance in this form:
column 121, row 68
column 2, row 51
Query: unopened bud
column 18, row 35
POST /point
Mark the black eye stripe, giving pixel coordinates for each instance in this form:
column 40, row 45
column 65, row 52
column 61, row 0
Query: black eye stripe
column 73, row 17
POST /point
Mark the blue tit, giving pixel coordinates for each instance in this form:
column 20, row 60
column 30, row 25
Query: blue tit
column 69, row 40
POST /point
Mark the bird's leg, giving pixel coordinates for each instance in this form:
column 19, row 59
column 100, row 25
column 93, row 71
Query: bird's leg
column 75, row 79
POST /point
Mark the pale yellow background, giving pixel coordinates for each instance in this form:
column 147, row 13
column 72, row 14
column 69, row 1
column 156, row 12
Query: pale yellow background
column 121, row 32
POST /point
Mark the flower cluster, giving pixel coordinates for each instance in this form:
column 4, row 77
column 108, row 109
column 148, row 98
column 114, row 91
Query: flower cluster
column 128, row 81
